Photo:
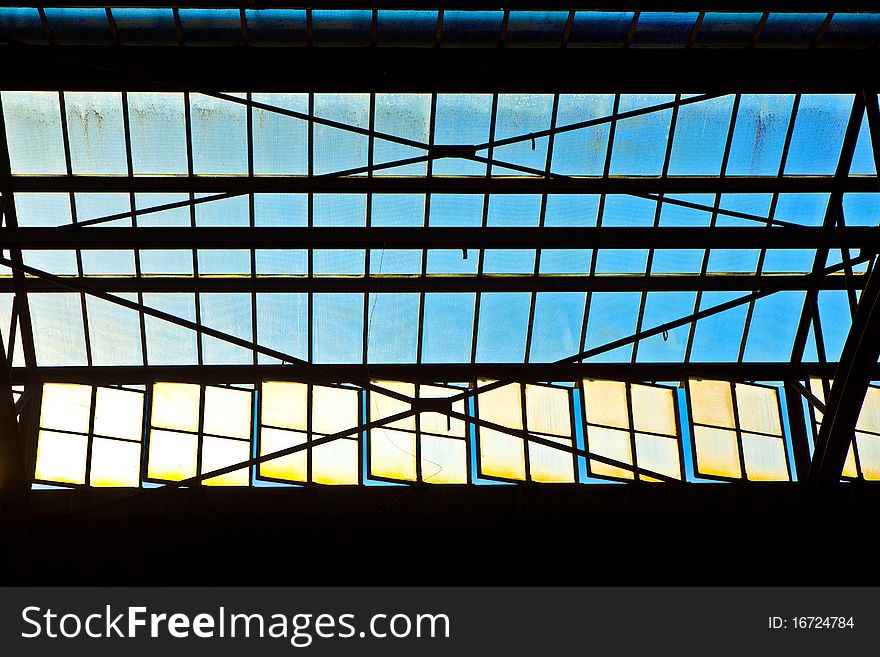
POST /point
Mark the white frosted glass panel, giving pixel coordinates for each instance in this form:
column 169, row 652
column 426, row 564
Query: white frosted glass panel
column 869, row 455
column 220, row 453
column 284, row 404
column 393, row 454
column 336, row 462
column 444, row 460
column 228, row 412
column 61, row 457
column 711, row 403
column 115, row 463
column 605, row 403
column 502, row 405
column 158, row 133
column 612, row 444
column 176, row 406
column 758, row 409
column 382, row 406
column 869, row 418
column 96, row 133
column 501, row 455
column 548, row 410
column 653, row 409
column 765, row 458
column 549, row 465
column 119, row 413
column 66, row 407
column 437, row 422
column 717, row 452
column 172, row 456
column 334, row 409
column 658, row 454
column 292, row 467
column 33, row 132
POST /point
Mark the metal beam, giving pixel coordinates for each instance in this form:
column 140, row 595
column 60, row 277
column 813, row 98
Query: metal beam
column 518, row 5
column 429, row 373
column 440, row 283
column 801, row 237
column 344, row 69
column 440, row 184
column 11, row 446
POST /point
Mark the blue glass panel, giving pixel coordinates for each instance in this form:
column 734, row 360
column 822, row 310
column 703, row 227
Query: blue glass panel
column 341, row 28
column 395, row 261
column 21, row 24
column 79, row 26
column 863, row 156
column 861, row 209
column 621, row 261
column 611, row 316
column 787, row 30
column 167, row 343
column 230, row 313
column 772, row 329
column 503, row 322
column 519, row 114
column 717, row 338
column 677, row 261
column 571, row 209
column 788, row 260
column 33, row 132
column 448, row 328
column 219, row 135
column 42, row 208
column 471, row 28
column 406, row 28
column 456, row 210
column 336, row 149
column 852, row 31
column 273, row 27
column 676, row 215
column 818, row 134
column 662, row 307
column 565, row 261
column 700, row 137
column 114, row 332
column 759, row 135
column 281, row 262
column 164, row 261
column 451, row 261
column 582, row 152
column 393, row 328
column 281, row 143
column 90, row 205
column 836, row 320
column 337, row 331
column 802, row 209
column 535, row 28
column 205, row 27
column 281, row 210
column 600, row 28
column 660, row 29
column 624, row 210
column 59, row 337
column 283, row 324
column 556, row 332
column 731, row 30
column 223, row 212
column 146, row 26
column 461, row 119
column 340, row 210
column 407, row 116
column 640, row 141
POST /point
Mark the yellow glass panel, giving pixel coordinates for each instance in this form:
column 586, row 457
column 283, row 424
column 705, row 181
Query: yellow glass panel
column 869, row 418
column 119, row 414
column 66, row 407
column 444, row 460
column 222, row 452
column 758, row 409
column 61, row 457
column 549, row 465
column 292, row 467
column 382, row 406
column 849, row 466
column 502, row 405
column 548, row 410
column 501, row 455
column 176, row 406
column 336, row 462
column 393, row 454
column 115, row 463
column 612, row 444
column 437, row 422
column 658, row 454
column 711, row 403
column 654, row 410
column 869, row 455
column 334, row 409
column 765, row 458
column 605, row 403
column 284, row 404
column 171, row 456
column 228, row 412
column 717, row 452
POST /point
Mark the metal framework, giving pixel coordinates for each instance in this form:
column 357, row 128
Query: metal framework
column 559, row 72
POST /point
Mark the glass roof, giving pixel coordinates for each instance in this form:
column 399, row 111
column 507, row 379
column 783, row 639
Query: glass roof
column 446, row 28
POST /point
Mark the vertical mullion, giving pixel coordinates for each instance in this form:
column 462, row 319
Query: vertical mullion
column 368, row 220
column 632, row 432
column 203, row 392
column 657, row 211
column 192, row 222
column 739, row 440
column 251, row 218
column 90, row 435
column 311, row 223
column 426, row 222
